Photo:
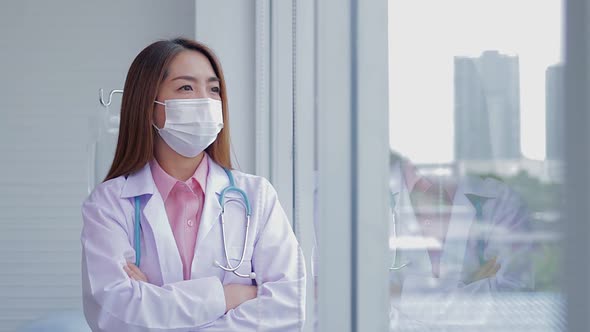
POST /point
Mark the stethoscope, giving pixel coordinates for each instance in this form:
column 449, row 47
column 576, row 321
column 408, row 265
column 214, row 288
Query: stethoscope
column 477, row 204
column 222, row 201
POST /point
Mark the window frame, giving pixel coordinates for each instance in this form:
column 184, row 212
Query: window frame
column 577, row 163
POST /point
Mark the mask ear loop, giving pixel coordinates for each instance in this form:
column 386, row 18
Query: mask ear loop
column 232, row 150
column 153, row 124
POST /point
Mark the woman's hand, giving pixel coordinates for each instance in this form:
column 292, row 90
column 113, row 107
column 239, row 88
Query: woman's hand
column 134, row 272
column 488, row 270
column 236, row 294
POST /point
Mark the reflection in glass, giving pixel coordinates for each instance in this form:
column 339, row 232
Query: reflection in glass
column 476, row 112
column 457, row 241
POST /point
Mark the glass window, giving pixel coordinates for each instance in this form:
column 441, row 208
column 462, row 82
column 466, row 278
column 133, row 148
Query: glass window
column 476, row 134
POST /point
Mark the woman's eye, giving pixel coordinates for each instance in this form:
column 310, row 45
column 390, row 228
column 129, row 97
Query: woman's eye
column 186, row 88
column 215, row 89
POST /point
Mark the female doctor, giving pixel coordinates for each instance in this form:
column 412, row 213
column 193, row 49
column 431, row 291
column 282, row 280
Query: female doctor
column 448, row 264
column 166, row 242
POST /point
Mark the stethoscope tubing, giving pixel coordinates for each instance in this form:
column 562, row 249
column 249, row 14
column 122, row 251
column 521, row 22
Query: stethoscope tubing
column 228, row 268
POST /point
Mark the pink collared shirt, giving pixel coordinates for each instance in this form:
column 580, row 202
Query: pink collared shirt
column 184, row 203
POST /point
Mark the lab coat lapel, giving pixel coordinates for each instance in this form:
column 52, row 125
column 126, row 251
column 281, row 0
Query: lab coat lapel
column 154, row 216
column 408, row 242
column 168, row 255
column 216, row 181
column 453, row 254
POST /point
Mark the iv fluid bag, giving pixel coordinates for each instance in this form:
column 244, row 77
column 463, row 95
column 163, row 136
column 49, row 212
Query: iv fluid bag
column 104, row 132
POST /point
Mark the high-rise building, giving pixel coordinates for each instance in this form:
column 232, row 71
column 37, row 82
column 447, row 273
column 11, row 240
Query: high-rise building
column 554, row 100
column 487, row 107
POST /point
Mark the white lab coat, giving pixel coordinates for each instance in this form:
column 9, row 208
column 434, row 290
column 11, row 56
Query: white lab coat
column 503, row 227
column 114, row 302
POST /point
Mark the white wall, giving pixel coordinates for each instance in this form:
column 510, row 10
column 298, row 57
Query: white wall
column 53, row 58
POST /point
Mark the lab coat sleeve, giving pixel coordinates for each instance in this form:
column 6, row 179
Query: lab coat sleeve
column 509, row 241
column 114, row 302
column 280, row 268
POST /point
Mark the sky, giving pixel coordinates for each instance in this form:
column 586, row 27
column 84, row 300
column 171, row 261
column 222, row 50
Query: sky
column 425, row 35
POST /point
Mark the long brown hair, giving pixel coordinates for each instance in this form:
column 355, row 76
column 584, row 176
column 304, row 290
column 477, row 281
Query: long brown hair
column 135, row 146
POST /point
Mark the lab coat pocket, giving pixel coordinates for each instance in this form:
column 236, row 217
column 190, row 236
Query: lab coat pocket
column 235, row 255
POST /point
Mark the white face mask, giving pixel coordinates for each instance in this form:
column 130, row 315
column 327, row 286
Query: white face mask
column 191, row 124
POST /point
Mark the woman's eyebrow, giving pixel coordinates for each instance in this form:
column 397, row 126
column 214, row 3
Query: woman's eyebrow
column 193, row 79
column 185, row 77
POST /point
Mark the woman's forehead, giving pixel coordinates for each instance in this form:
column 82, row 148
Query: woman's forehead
column 191, row 63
